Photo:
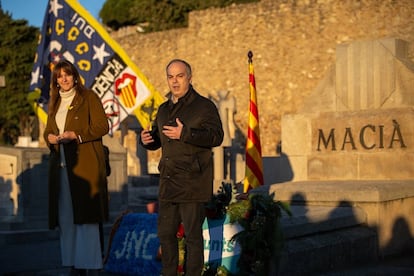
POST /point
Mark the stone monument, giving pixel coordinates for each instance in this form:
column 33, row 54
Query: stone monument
column 352, row 142
column 358, row 123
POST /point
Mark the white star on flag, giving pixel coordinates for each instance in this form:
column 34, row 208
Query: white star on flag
column 35, row 76
column 55, row 7
column 100, row 53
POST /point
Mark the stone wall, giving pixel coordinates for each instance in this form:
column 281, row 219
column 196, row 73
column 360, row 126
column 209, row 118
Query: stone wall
column 293, row 42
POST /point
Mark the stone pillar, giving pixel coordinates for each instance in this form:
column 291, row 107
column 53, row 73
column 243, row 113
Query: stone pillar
column 226, row 105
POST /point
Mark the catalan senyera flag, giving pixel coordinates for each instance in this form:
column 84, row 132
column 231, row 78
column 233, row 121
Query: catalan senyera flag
column 70, row 32
column 254, row 163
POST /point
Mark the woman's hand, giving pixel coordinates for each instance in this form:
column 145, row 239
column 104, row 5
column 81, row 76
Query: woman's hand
column 67, row 137
column 53, row 139
column 63, row 138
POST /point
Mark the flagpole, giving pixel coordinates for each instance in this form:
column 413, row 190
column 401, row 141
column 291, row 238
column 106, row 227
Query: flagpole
column 250, row 56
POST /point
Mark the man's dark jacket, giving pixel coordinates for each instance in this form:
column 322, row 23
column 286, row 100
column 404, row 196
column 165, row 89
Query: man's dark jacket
column 186, row 165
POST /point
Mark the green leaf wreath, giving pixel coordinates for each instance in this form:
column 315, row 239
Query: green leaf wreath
column 261, row 239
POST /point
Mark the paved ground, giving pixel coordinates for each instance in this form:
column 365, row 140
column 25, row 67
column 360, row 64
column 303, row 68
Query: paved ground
column 397, row 266
column 34, row 259
column 400, row 266
column 37, row 253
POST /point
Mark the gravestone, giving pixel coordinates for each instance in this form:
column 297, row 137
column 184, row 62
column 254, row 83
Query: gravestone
column 24, row 187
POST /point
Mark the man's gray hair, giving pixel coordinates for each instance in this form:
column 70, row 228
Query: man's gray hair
column 187, row 65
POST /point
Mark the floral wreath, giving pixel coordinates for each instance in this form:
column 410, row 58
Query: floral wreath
column 261, row 239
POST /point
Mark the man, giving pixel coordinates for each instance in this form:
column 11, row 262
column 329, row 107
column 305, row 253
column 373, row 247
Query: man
column 186, row 127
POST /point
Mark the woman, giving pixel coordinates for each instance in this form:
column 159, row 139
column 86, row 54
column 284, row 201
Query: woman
column 78, row 196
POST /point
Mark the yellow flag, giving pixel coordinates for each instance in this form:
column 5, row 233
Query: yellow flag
column 70, row 32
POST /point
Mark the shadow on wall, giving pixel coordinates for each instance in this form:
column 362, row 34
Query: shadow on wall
column 8, row 205
column 402, row 240
column 335, row 238
column 277, row 169
column 33, row 198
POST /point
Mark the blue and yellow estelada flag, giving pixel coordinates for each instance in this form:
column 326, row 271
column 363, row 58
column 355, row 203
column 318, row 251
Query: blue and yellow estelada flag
column 70, row 32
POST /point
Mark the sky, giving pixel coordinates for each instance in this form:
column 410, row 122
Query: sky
column 34, row 10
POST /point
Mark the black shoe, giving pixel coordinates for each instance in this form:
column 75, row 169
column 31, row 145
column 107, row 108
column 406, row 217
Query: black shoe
column 93, row 272
column 77, row 272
